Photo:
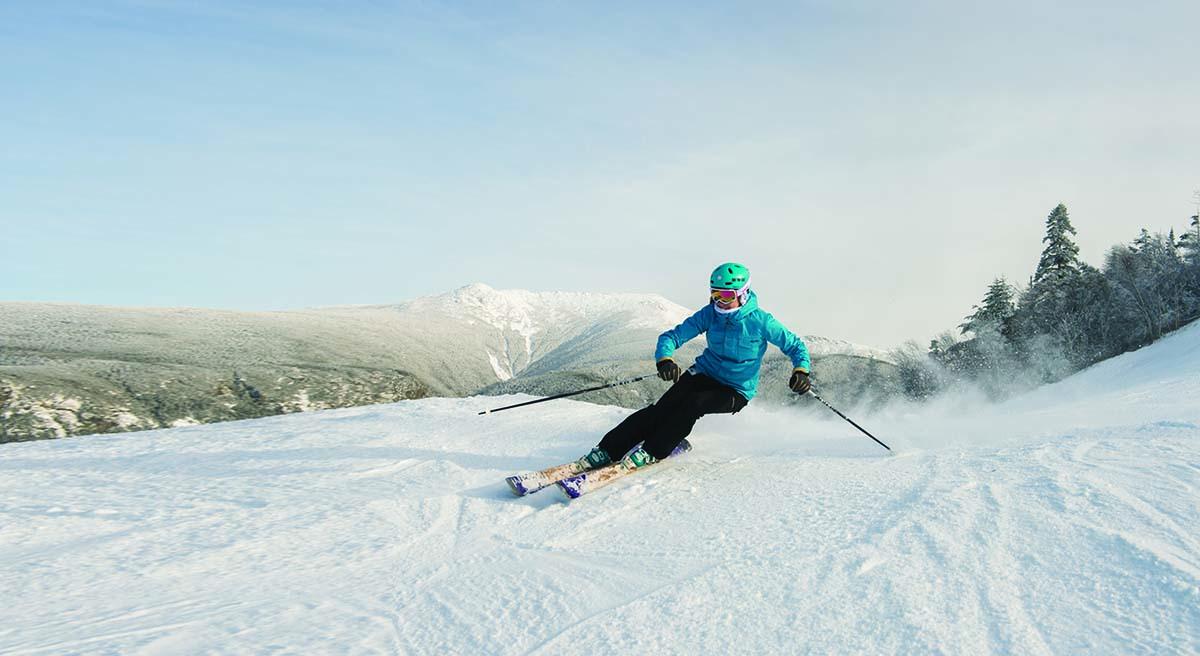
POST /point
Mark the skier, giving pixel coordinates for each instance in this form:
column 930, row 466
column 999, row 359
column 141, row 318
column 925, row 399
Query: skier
column 723, row 379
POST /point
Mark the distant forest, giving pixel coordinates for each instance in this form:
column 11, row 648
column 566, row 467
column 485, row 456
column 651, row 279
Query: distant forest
column 1068, row 316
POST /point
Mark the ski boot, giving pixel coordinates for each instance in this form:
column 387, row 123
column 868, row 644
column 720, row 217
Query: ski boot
column 638, row 458
column 595, row 459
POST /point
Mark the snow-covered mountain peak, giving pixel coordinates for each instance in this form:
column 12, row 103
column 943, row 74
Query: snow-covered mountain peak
column 528, row 312
column 515, row 330
column 509, row 310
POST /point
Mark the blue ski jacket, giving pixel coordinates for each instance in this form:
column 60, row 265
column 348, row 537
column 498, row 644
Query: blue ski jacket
column 737, row 343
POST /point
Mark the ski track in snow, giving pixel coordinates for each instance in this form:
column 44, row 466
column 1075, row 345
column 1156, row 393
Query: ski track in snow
column 389, row 529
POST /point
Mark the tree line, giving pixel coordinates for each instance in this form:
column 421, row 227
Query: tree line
column 1070, row 314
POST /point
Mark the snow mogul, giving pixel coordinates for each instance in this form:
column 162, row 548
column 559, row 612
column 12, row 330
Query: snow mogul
column 721, row 381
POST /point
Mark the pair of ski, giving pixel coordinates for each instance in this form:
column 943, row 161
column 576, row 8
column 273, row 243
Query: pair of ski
column 574, row 480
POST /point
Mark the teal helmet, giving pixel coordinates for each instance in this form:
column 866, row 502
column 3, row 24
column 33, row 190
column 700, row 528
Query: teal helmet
column 730, row 275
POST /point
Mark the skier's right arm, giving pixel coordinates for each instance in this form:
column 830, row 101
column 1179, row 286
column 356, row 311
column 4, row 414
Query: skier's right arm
column 683, row 333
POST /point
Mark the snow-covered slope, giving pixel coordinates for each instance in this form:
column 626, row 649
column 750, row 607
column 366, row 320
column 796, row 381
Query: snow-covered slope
column 1064, row 521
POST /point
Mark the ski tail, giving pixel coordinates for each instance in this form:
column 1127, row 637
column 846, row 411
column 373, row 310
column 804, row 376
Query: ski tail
column 523, row 484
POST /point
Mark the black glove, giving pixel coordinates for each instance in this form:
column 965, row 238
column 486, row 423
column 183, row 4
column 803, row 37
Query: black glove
column 799, row 382
column 668, row 370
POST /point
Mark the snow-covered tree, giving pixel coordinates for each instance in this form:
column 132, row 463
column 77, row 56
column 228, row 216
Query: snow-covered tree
column 1149, row 278
column 996, row 310
column 1189, row 246
column 1189, row 242
column 1048, row 321
column 1060, row 258
column 1189, row 249
column 1072, row 315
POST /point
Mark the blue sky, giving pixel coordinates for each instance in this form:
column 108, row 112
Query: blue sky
column 875, row 164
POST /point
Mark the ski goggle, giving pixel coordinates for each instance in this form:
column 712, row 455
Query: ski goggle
column 724, row 295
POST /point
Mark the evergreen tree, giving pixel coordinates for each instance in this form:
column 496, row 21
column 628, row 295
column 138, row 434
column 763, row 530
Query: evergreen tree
column 1048, row 325
column 1143, row 242
column 996, row 310
column 1061, row 255
column 1189, row 243
column 1103, row 333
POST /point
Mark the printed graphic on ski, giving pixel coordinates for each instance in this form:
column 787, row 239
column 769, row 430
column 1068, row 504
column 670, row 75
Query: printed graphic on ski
column 528, row 483
column 589, row 481
column 531, row 482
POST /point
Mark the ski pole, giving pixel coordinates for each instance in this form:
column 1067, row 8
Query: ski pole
column 814, row 393
column 559, row 396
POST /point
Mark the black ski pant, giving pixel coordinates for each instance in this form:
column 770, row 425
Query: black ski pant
column 660, row 427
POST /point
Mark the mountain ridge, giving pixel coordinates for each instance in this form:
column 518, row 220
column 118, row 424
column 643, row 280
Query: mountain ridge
column 69, row 369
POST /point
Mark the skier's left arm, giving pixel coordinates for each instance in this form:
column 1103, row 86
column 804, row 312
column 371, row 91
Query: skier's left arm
column 791, row 345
